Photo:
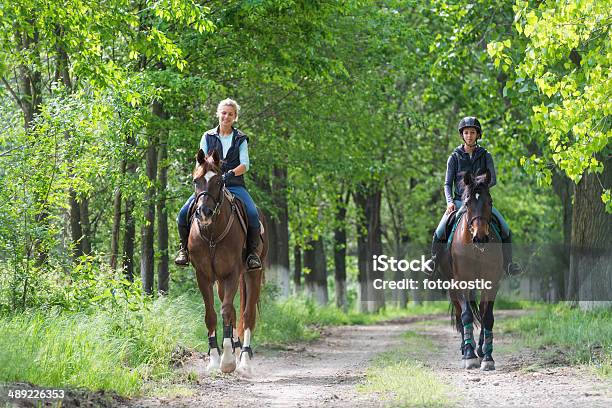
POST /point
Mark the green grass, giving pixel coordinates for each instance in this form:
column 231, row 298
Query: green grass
column 100, row 351
column 401, row 380
column 584, row 336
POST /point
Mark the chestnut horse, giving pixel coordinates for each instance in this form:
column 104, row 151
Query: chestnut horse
column 217, row 252
column 476, row 253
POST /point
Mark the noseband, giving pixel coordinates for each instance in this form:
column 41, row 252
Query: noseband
column 217, row 203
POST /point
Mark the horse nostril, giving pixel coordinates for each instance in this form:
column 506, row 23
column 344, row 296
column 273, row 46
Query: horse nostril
column 207, row 212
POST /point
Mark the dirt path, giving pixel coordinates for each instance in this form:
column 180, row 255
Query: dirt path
column 324, row 372
column 523, row 378
column 327, row 371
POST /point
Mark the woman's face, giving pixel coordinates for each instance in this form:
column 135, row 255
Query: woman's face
column 226, row 115
column 470, row 135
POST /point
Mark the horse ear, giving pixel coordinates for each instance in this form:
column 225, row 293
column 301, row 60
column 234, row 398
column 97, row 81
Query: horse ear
column 468, row 178
column 200, row 157
column 487, row 176
column 484, row 175
column 215, row 157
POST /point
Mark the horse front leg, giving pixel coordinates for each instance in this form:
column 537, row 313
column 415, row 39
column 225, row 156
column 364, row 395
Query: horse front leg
column 252, row 288
column 479, row 351
column 210, row 318
column 228, row 312
column 470, row 358
column 487, row 333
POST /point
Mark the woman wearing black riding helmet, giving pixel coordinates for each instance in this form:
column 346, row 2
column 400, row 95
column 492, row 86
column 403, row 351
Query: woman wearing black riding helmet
column 469, row 156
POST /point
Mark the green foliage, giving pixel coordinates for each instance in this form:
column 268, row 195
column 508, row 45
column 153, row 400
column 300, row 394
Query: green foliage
column 584, row 336
column 564, row 54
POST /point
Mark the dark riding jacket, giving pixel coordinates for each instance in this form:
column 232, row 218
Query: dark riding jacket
column 459, row 162
column 232, row 159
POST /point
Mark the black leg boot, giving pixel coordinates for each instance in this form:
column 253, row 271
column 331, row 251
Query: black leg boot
column 437, row 249
column 253, row 262
column 511, row 268
column 182, row 258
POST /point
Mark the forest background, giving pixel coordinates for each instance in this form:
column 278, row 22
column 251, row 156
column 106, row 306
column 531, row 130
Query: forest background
column 351, row 108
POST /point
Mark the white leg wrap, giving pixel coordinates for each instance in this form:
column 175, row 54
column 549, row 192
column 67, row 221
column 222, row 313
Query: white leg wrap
column 245, row 359
column 214, row 360
column 228, row 360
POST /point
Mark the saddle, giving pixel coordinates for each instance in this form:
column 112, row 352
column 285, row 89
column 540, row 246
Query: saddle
column 237, row 206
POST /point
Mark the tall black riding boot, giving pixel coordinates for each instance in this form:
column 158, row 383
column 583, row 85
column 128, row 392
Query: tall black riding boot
column 182, row 258
column 253, row 239
column 511, row 268
column 437, row 248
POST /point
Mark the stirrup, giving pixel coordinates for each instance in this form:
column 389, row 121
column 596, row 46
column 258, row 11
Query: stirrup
column 514, row 269
column 253, row 258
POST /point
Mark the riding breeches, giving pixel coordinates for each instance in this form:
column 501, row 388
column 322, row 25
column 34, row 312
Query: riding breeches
column 249, row 204
column 505, row 232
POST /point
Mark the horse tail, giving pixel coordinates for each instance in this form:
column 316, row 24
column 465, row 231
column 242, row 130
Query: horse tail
column 476, row 313
column 456, row 323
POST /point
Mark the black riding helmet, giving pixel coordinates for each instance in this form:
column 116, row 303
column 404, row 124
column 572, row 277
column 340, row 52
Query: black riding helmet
column 469, row 121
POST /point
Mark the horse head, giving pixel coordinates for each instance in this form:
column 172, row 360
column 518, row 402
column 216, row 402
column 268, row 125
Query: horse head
column 479, row 204
column 208, row 185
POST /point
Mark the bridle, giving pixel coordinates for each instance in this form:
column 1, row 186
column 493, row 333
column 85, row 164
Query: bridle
column 471, row 222
column 212, row 242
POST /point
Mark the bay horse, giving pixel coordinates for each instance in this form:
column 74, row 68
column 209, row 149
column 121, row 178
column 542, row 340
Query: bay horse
column 475, row 253
column 217, row 252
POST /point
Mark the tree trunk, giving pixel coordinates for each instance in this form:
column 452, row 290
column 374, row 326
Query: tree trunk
column 297, row 269
column 116, row 220
column 147, row 231
column 316, row 278
column 130, row 227
column 564, row 188
column 279, row 188
column 369, row 202
column 85, row 226
column 162, row 216
column 362, row 265
column 75, row 224
column 340, row 256
column 591, row 254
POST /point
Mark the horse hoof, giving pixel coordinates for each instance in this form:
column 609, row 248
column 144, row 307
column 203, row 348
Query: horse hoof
column 212, row 367
column 487, row 366
column 244, row 367
column 228, row 359
column 229, row 367
column 462, row 364
column 471, row 363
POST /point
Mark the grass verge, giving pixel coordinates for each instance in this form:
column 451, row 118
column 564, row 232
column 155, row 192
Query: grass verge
column 400, row 379
column 585, row 337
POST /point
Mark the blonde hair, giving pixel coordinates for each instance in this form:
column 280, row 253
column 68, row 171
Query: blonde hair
column 229, row 102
